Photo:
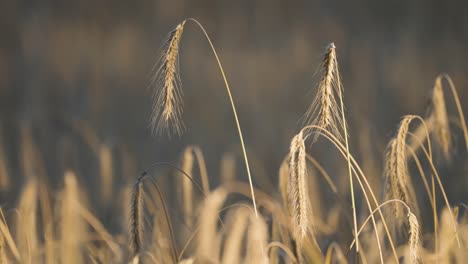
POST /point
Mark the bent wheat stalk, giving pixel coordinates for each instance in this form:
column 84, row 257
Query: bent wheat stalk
column 167, row 106
column 414, row 233
column 325, row 112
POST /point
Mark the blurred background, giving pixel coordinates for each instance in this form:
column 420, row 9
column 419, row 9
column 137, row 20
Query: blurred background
column 77, row 72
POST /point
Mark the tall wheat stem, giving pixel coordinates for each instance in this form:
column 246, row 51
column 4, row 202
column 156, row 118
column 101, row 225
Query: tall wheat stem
column 239, row 130
column 351, row 185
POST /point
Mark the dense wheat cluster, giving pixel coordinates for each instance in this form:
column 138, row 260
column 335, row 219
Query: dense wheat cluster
column 174, row 212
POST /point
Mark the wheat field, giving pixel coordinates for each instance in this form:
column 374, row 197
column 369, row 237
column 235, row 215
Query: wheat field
column 336, row 194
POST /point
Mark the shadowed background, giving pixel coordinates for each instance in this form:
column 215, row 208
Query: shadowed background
column 89, row 62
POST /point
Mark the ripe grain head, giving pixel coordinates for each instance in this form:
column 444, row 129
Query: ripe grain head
column 167, row 98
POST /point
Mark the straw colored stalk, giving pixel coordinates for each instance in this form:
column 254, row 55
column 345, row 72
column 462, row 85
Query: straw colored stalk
column 327, row 114
column 3, row 257
column 187, row 186
column 167, row 103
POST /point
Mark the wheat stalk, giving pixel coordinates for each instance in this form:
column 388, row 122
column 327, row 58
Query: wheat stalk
column 187, row 187
column 167, row 105
column 325, row 112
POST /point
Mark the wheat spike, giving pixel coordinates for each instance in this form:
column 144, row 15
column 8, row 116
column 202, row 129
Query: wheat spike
column 136, row 216
column 440, row 119
column 71, row 242
column 257, row 239
column 324, row 111
column 209, row 241
column 414, row 238
column 26, row 227
column 297, row 188
column 167, row 98
column 232, row 250
column 397, row 181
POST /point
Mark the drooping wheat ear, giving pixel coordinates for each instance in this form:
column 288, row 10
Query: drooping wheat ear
column 167, row 98
column 168, row 111
column 440, row 119
column 238, row 221
column 187, row 185
column 136, row 216
column 324, row 111
column 297, row 188
column 447, row 246
column 414, row 238
column 26, row 224
column 257, row 239
column 397, row 181
column 209, row 241
column 71, row 242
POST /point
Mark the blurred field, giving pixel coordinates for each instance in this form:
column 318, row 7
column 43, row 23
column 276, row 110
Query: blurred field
column 75, row 104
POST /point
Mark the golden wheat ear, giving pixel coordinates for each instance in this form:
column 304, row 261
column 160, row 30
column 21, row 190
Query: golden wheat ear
column 167, row 97
column 326, row 113
column 324, row 110
column 440, row 120
column 298, row 196
column 397, row 179
column 167, row 103
column 136, row 217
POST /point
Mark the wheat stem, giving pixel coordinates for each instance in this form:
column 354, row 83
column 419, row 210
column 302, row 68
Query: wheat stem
column 231, row 100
